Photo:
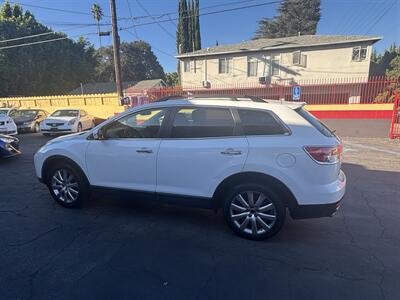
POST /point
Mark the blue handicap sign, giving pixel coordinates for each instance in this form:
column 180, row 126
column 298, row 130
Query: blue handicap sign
column 296, row 92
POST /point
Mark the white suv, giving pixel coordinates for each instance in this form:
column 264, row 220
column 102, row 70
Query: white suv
column 253, row 158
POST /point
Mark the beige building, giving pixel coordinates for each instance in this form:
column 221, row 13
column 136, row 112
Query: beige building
column 280, row 60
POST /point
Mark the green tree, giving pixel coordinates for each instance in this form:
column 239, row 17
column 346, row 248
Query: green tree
column 182, row 39
column 172, row 79
column 41, row 69
column 394, row 67
column 97, row 13
column 381, row 63
column 296, row 16
column 197, row 35
column 138, row 62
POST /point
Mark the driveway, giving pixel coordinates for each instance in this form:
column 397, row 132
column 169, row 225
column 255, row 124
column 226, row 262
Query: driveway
column 126, row 249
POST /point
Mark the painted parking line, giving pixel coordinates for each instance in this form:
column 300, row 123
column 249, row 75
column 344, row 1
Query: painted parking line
column 371, row 148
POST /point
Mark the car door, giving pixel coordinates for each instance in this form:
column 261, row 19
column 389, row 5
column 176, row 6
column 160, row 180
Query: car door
column 201, row 150
column 125, row 157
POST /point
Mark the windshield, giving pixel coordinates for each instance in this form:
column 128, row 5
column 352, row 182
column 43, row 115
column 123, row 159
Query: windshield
column 65, row 113
column 29, row 114
column 3, row 111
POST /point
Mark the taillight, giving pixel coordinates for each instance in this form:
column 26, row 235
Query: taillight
column 328, row 155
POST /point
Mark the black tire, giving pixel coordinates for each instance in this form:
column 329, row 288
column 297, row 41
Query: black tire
column 79, row 127
column 239, row 220
column 82, row 186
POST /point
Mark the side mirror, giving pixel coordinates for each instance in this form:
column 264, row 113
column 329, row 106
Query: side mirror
column 98, row 134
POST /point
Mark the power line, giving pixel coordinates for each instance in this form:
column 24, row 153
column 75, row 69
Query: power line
column 40, row 34
column 42, row 42
column 159, row 16
column 380, row 18
column 133, row 22
column 58, row 9
column 210, row 13
column 154, row 19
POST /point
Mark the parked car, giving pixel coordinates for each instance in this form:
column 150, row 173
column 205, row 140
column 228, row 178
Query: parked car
column 9, row 146
column 253, row 159
column 28, row 120
column 67, row 121
column 7, row 124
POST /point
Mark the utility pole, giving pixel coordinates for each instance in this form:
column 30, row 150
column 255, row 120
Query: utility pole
column 117, row 60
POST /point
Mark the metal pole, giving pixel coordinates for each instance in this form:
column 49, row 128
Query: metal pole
column 117, row 61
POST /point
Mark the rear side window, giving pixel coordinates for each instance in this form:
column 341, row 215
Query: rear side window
column 202, row 122
column 255, row 122
column 321, row 127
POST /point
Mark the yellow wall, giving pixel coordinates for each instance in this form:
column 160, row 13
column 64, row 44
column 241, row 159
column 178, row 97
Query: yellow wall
column 97, row 105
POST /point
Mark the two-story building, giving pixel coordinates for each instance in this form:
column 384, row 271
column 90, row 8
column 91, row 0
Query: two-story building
column 279, row 60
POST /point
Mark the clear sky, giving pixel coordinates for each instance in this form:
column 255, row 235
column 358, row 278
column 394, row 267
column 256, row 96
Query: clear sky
column 372, row 17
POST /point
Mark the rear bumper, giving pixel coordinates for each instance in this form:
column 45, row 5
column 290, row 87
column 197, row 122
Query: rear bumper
column 327, row 203
column 314, row 211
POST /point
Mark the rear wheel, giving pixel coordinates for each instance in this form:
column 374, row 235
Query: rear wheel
column 254, row 211
column 67, row 185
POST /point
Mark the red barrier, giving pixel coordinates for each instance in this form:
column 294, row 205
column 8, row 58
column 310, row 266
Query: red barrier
column 395, row 126
column 323, row 91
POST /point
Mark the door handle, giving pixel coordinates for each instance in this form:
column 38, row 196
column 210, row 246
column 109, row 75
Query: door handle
column 144, row 150
column 231, row 151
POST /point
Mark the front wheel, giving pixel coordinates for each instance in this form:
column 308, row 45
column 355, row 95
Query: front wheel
column 254, row 211
column 36, row 128
column 79, row 129
column 67, row 185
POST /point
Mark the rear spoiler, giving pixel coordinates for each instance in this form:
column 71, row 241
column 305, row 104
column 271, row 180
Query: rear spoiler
column 292, row 104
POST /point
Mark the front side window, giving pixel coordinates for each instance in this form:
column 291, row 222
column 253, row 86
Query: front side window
column 225, row 65
column 255, row 122
column 144, row 124
column 252, row 64
column 202, row 122
column 359, row 53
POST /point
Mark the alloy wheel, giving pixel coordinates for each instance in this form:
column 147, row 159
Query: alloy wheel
column 252, row 212
column 64, row 186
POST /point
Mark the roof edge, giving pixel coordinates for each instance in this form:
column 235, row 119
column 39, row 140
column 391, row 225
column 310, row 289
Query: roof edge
column 186, row 55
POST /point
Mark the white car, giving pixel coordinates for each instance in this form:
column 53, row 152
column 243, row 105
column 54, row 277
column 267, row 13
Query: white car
column 254, row 159
column 67, row 121
column 7, row 124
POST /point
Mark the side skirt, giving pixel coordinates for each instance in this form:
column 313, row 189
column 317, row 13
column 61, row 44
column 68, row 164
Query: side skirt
column 172, row 199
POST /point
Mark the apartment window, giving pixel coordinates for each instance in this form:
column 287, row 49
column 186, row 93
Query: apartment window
column 252, row 64
column 359, row 53
column 299, row 59
column 225, row 65
column 275, row 66
column 186, row 65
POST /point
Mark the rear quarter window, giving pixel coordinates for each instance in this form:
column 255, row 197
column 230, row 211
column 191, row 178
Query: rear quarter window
column 321, row 127
column 255, row 122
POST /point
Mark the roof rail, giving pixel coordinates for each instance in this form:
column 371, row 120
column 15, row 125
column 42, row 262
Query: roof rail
column 222, row 97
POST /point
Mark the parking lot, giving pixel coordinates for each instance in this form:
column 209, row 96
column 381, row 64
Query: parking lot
column 115, row 247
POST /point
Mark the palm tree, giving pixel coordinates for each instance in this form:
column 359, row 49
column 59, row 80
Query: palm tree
column 97, row 14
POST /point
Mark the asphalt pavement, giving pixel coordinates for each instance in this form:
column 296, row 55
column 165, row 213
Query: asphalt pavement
column 117, row 248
